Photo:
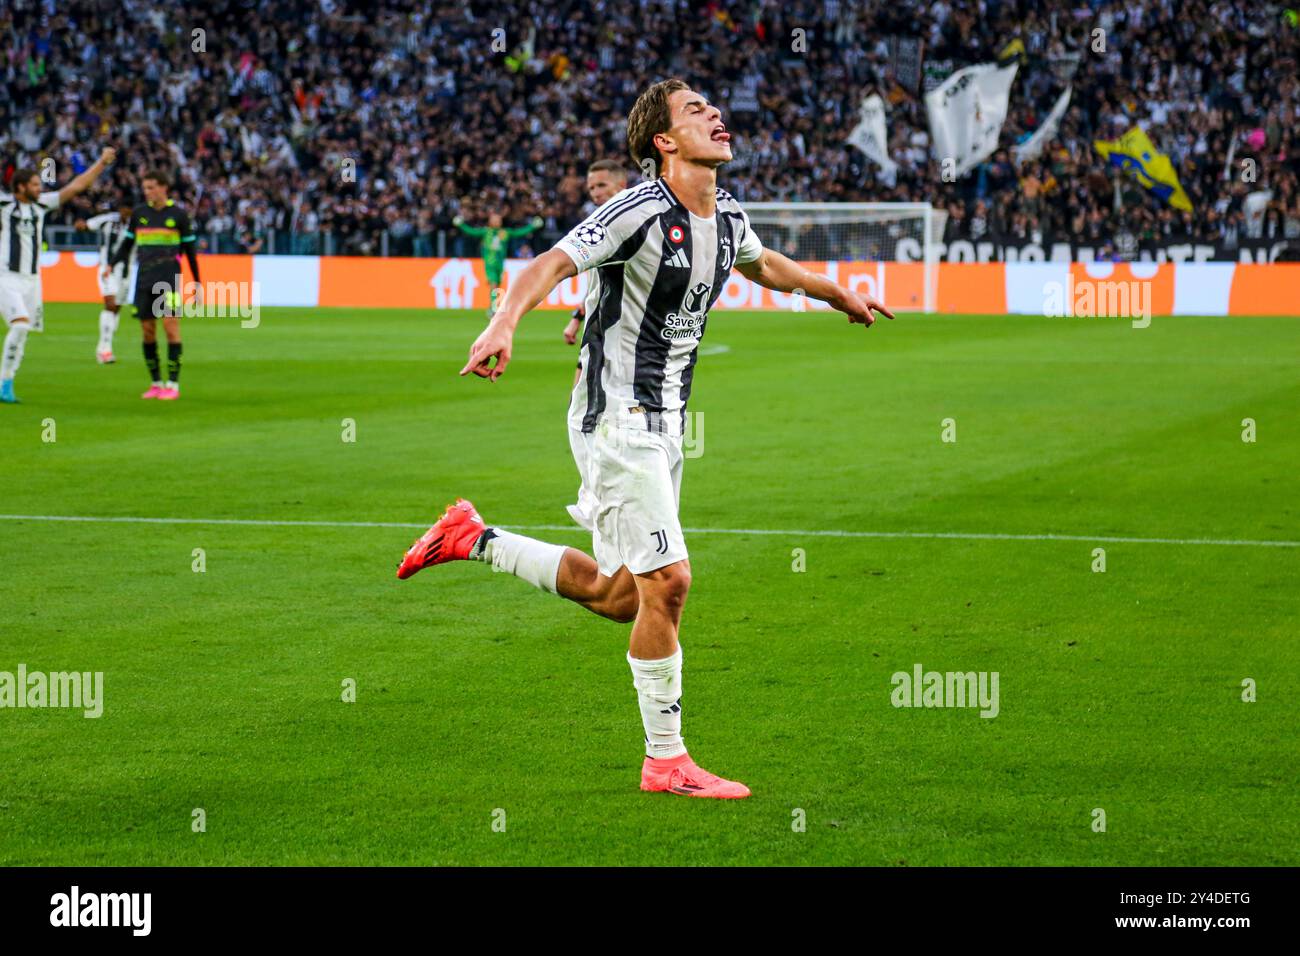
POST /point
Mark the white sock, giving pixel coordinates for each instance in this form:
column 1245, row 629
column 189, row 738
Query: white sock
column 107, row 327
column 659, row 692
column 12, row 356
column 534, row 561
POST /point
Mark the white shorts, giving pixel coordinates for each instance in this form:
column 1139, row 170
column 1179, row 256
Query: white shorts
column 20, row 297
column 114, row 284
column 633, row 479
column 584, row 510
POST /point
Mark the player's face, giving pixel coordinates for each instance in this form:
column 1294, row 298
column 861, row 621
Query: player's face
column 697, row 131
column 602, row 184
column 154, row 192
column 495, row 221
column 29, row 191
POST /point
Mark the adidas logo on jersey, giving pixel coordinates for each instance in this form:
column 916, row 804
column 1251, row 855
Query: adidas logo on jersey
column 678, row 260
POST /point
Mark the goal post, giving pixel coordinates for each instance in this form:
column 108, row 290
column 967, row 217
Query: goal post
column 854, row 232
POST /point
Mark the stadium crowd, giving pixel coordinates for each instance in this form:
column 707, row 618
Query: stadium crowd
column 365, row 128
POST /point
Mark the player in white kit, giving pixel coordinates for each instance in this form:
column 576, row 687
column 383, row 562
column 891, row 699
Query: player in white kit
column 114, row 280
column 22, row 225
column 659, row 254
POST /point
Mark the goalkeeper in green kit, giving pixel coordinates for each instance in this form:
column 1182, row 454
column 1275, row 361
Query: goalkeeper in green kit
column 495, row 241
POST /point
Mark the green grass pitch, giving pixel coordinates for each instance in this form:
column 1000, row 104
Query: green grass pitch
column 1120, row 691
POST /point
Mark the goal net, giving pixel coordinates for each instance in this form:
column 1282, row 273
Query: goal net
column 854, row 232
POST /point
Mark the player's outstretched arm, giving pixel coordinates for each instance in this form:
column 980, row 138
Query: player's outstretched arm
column 527, row 289
column 534, row 224
column 782, row 274
column 83, row 182
column 478, row 232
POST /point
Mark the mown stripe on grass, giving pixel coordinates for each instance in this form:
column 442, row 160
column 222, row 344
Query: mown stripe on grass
column 788, row 532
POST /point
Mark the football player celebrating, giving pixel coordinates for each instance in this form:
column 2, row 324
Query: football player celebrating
column 22, row 224
column 659, row 254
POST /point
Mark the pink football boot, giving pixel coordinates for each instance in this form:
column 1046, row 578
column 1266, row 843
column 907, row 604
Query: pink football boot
column 683, row 775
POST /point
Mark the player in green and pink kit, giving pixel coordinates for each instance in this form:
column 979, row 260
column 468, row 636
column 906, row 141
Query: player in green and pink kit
column 495, row 242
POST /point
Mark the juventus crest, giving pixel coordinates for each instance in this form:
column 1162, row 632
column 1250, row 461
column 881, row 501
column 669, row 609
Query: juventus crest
column 726, row 255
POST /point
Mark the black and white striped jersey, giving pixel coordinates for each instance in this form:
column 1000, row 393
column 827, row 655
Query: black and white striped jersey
column 22, row 226
column 657, row 270
column 111, row 231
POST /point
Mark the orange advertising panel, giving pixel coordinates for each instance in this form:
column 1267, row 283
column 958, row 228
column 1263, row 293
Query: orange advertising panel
column 226, row 269
column 987, row 288
column 462, row 284
column 1098, row 280
column 73, row 276
column 69, row 277
column 978, row 288
column 1265, row 289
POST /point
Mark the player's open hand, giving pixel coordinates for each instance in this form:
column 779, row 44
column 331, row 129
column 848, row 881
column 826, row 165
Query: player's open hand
column 860, row 309
column 494, row 342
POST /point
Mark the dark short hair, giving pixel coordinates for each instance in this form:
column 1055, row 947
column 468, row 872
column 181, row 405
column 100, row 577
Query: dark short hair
column 649, row 117
column 161, row 178
column 608, row 166
column 23, row 174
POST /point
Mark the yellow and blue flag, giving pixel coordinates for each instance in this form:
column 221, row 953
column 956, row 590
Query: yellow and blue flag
column 1135, row 152
column 1015, row 50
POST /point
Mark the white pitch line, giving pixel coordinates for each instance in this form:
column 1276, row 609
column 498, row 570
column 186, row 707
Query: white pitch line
column 254, row 522
column 786, row 532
